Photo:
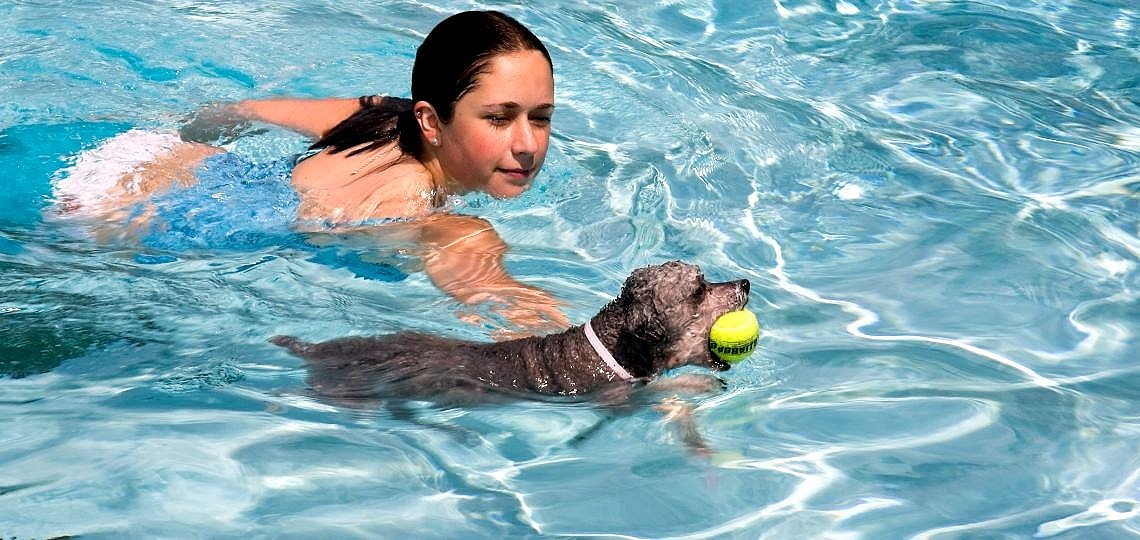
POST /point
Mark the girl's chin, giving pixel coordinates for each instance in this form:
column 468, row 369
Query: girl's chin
column 509, row 186
column 508, row 192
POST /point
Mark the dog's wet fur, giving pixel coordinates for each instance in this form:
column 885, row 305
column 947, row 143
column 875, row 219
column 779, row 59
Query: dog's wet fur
column 660, row 321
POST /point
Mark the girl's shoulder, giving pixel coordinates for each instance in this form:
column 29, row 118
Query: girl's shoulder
column 326, row 168
column 378, row 184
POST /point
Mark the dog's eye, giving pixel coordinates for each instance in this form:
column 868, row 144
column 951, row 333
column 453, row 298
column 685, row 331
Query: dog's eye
column 700, row 289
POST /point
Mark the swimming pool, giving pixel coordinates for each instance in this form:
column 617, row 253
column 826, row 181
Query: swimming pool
column 936, row 203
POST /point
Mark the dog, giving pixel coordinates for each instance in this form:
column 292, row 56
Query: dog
column 659, row 321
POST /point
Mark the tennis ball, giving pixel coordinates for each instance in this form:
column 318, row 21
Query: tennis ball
column 733, row 336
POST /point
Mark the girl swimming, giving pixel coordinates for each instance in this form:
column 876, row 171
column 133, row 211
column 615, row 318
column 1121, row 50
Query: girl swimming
column 478, row 120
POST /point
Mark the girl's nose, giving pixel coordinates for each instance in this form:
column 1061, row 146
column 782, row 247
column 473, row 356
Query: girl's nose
column 525, row 140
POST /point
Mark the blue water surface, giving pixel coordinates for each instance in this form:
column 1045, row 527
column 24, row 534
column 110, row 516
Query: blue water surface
column 936, row 203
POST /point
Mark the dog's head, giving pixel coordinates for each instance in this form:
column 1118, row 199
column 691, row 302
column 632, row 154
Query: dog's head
column 666, row 312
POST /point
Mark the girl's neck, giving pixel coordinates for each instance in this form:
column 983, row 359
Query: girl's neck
column 443, row 184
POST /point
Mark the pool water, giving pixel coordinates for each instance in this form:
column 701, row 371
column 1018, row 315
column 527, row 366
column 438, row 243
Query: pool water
column 936, row 203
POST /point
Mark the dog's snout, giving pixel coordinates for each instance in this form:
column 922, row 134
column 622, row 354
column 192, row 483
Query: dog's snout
column 742, row 286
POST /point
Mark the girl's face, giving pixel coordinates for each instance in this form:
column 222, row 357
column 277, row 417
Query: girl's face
column 500, row 130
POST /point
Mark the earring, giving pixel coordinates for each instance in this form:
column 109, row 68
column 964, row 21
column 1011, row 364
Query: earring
column 434, row 141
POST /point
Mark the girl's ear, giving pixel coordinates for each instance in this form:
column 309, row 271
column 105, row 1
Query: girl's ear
column 428, row 121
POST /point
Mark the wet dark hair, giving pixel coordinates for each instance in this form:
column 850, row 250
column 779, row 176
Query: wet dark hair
column 448, row 63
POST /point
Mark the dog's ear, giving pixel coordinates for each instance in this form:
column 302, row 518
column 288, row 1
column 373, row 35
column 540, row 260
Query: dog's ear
column 663, row 285
column 638, row 282
column 640, row 346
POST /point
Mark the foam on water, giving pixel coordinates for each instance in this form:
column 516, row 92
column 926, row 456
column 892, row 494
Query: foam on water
column 935, row 202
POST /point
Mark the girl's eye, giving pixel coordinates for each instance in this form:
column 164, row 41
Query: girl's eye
column 540, row 120
column 498, row 120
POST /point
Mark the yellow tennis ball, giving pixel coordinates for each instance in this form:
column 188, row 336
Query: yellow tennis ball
column 733, row 336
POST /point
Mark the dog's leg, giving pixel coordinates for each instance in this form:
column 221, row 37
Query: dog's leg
column 621, row 400
column 614, row 400
column 590, row 431
column 400, row 410
column 688, row 383
column 680, row 414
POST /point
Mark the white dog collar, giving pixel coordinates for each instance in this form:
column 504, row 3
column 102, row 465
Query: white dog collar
column 604, row 353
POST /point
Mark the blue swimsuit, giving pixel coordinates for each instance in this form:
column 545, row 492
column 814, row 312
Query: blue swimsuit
column 236, row 204
column 241, row 205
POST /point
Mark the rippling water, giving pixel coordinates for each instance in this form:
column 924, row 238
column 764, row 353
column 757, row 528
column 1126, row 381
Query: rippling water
column 936, row 203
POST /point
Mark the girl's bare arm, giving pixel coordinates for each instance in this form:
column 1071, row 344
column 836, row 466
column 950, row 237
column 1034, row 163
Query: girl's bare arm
column 464, row 257
column 312, row 117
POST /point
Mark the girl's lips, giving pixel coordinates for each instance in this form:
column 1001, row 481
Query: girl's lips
column 516, row 174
